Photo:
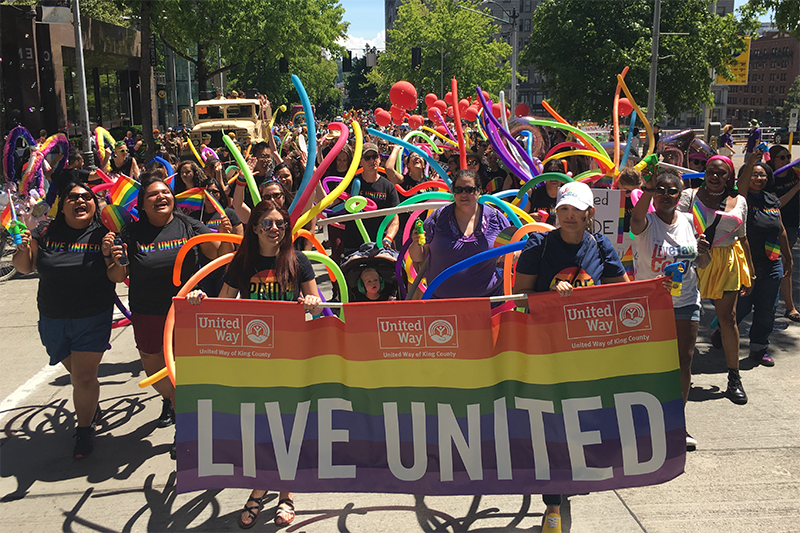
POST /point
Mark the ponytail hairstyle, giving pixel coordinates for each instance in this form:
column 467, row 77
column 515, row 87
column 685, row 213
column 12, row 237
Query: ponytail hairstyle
column 243, row 264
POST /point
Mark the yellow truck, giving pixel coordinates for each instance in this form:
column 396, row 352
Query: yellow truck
column 239, row 115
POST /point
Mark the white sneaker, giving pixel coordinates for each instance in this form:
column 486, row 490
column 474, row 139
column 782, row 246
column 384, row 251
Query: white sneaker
column 552, row 523
column 691, row 443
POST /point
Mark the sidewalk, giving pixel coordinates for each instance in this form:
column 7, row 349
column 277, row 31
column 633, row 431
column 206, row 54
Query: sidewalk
column 744, row 476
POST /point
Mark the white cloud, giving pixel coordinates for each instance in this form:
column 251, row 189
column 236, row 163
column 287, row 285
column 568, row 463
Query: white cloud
column 357, row 44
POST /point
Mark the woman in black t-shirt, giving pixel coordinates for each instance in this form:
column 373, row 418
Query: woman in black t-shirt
column 266, row 267
column 75, row 298
column 152, row 244
column 786, row 187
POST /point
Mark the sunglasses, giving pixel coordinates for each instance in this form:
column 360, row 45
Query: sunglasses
column 369, row 157
column 672, row 191
column 473, row 162
column 469, row 190
column 73, row 197
column 267, row 224
column 273, row 196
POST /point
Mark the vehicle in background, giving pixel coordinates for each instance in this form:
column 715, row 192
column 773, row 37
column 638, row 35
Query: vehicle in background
column 781, row 136
column 240, row 116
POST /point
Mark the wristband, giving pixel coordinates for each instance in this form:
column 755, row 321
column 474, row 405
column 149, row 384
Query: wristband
column 388, row 240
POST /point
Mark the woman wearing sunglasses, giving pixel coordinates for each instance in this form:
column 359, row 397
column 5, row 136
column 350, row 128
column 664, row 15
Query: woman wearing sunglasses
column 271, row 189
column 787, row 188
column 772, row 255
column 567, row 257
column 664, row 237
column 266, row 267
column 728, row 273
column 458, row 231
column 75, row 298
column 123, row 162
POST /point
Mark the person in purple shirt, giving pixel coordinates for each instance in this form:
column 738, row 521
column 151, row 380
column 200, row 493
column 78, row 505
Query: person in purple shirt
column 753, row 139
column 456, row 232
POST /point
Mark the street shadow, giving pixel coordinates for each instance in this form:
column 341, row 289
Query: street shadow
column 130, row 369
column 37, row 444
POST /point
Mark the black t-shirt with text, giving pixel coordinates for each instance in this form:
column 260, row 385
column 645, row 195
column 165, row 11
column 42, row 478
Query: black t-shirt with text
column 383, row 193
column 263, row 284
column 540, row 200
column 152, row 252
column 72, row 273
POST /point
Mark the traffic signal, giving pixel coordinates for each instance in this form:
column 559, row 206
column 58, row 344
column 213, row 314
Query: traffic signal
column 416, row 57
column 347, row 61
column 283, row 65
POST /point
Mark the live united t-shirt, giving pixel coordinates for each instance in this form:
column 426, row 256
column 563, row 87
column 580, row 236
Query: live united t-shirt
column 72, row 273
column 263, row 285
column 152, row 251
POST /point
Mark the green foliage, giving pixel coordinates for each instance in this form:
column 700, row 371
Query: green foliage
column 440, row 27
column 360, row 93
column 580, row 49
column 792, row 101
column 785, row 13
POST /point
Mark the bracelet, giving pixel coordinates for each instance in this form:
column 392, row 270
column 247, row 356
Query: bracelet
column 107, row 256
column 387, row 239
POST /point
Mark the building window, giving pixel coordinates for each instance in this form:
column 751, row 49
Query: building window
column 527, row 6
column 526, row 25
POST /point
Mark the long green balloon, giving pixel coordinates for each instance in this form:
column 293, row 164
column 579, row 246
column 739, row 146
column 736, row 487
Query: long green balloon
column 328, row 262
column 531, row 183
column 248, row 176
column 417, row 198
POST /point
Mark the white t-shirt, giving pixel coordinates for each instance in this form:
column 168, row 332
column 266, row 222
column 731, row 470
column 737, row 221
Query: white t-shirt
column 662, row 244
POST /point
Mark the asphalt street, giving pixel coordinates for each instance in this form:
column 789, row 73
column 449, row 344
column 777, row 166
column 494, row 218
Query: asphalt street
column 743, row 477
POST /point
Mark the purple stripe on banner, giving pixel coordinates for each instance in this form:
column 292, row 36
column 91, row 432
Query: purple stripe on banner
column 365, row 427
column 560, row 483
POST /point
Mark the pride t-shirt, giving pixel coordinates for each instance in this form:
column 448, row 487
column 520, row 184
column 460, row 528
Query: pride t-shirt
column 263, row 284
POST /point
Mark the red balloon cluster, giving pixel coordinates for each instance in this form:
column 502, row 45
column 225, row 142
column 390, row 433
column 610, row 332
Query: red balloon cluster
column 382, row 117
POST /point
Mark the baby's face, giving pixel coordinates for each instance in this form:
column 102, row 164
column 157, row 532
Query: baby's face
column 371, row 281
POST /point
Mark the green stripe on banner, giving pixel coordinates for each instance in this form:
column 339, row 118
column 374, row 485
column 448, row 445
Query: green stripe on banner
column 664, row 386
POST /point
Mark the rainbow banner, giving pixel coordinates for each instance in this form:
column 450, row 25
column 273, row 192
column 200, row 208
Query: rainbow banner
column 191, row 199
column 124, row 192
column 433, row 397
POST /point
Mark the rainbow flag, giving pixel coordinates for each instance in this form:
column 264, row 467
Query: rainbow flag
column 213, row 201
column 191, row 199
column 772, row 248
column 702, row 216
column 7, row 218
column 124, row 192
column 706, row 221
column 435, row 397
column 114, row 217
column 627, row 262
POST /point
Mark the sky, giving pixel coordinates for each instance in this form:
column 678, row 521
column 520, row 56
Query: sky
column 366, row 20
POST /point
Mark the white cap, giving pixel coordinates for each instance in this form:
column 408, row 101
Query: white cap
column 576, row 194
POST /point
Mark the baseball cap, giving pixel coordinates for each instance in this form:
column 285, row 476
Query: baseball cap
column 370, row 147
column 576, row 194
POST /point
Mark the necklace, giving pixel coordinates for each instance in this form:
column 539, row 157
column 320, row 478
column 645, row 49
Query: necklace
column 714, row 194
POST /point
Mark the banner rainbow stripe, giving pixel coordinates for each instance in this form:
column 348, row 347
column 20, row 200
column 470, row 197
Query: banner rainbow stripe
column 114, row 217
column 124, row 192
column 431, row 397
column 213, row 201
column 772, row 248
column 190, row 199
column 6, row 218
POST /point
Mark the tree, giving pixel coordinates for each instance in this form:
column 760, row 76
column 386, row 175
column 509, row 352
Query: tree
column 792, row 101
column 463, row 40
column 580, row 49
column 360, row 93
column 786, row 13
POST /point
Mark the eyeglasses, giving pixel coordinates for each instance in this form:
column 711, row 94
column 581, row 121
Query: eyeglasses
column 473, row 162
column 267, row 224
column 272, row 196
column 672, row 191
column 262, row 157
column 215, row 192
column 369, row 157
column 469, row 189
column 73, row 197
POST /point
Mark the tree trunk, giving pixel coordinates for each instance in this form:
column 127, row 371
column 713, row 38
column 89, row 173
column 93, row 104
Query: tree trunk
column 145, row 77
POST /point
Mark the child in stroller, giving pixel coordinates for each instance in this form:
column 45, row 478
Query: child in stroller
column 370, row 274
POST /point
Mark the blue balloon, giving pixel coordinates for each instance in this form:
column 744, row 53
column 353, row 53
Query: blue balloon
column 312, row 140
column 419, row 151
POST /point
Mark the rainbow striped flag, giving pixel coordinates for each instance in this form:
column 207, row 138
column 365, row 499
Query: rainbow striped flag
column 191, row 199
column 6, row 218
column 114, row 217
column 772, row 248
column 213, row 201
column 124, row 192
column 627, row 262
column 436, row 397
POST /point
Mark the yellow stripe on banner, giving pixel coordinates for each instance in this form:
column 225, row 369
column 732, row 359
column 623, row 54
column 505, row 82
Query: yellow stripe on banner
column 548, row 369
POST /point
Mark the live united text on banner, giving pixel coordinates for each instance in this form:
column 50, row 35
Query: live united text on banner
column 437, row 397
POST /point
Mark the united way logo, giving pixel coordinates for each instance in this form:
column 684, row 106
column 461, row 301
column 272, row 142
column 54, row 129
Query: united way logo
column 632, row 314
column 440, row 331
column 257, row 331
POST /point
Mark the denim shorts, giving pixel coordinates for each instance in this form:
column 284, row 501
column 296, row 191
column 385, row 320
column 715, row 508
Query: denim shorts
column 688, row 312
column 62, row 336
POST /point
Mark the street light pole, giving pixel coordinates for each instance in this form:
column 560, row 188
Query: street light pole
column 651, row 94
column 83, row 101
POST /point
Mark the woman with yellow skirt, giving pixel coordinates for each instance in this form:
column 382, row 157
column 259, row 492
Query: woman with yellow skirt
column 720, row 213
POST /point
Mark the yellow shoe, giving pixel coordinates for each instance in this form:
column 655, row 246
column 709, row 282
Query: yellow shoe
column 552, row 523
